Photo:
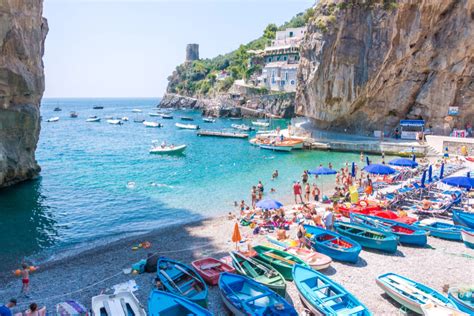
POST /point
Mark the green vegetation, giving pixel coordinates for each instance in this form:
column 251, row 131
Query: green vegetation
column 199, row 78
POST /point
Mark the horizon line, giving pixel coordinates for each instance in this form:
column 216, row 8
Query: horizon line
column 94, row 97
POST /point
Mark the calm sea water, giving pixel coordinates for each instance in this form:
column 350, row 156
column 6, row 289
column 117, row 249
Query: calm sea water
column 82, row 197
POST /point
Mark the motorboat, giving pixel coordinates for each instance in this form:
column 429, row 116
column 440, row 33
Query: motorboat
column 167, row 116
column 57, row 109
column 187, row 126
column 125, row 119
column 261, row 123
column 137, row 111
column 114, row 122
column 73, row 114
column 138, row 120
column 93, row 119
column 241, row 127
column 152, row 124
column 186, row 118
column 119, row 304
column 98, row 107
column 53, row 119
column 154, row 114
column 276, row 147
column 167, row 149
column 209, row 120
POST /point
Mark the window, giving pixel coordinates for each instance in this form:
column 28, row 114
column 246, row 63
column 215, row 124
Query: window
column 285, row 58
column 292, row 82
column 286, row 75
column 269, row 59
column 291, row 34
column 282, row 82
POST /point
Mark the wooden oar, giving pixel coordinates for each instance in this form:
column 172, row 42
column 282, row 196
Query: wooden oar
column 187, row 273
column 170, row 280
column 275, row 256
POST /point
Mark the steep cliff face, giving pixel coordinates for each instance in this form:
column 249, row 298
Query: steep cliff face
column 22, row 34
column 367, row 64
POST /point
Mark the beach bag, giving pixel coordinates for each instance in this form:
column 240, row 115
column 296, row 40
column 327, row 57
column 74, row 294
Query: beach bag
column 139, row 266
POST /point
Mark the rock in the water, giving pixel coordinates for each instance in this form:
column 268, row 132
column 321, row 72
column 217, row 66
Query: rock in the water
column 367, row 64
column 22, row 34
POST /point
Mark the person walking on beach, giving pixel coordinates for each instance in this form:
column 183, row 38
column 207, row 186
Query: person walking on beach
column 253, row 194
column 307, row 192
column 5, row 310
column 297, row 192
column 315, row 192
column 25, row 279
column 328, row 219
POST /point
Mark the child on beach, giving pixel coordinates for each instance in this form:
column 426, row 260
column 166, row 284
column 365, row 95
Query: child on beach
column 25, row 279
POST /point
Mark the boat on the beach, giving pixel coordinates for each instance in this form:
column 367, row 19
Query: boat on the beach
column 167, row 116
column 241, row 127
column 162, row 303
column 209, row 120
column 118, row 304
column 183, row 280
column 314, row 259
column 169, row 149
column 186, row 118
column 92, row 119
column 210, row 269
column 53, row 119
column 281, row 260
column 187, row 126
column 73, row 114
column 468, row 238
column 368, row 237
column 152, row 124
column 407, row 234
column 463, row 218
column 432, row 309
column 440, row 229
column 244, row 296
column 97, row 107
column 261, row 123
column 114, row 122
column 137, row 111
column 323, row 296
column 409, row 293
column 462, row 297
column 334, row 245
column 259, row 271
column 57, row 109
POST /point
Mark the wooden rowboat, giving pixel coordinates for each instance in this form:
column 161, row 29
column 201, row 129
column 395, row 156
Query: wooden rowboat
column 324, row 296
column 462, row 297
column 165, row 303
column 463, row 218
column 409, row 293
column 210, row 269
column 118, row 304
column 186, row 126
column 431, row 309
column 259, row 271
column 468, row 238
column 244, row 296
column 281, row 260
column 441, row 230
column 368, row 237
column 314, row 259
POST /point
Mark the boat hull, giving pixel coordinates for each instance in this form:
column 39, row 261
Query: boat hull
column 381, row 240
column 160, row 303
column 462, row 305
column 468, row 238
column 441, row 230
column 315, row 260
column 277, row 148
column 463, row 218
column 271, row 256
column 211, row 274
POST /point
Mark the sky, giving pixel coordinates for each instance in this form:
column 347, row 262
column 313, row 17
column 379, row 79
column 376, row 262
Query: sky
column 128, row 48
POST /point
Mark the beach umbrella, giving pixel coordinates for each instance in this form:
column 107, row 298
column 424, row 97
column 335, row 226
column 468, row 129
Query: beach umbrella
column 430, row 174
column 423, row 179
column 269, row 204
column 367, row 160
column 462, row 182
column 403, row 162
column 441, row 171
column 322, row 171
column 236, row 235
column 379, row 169
column 353, row 170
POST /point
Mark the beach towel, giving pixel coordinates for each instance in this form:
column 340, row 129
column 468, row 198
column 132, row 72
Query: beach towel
column 71, row 308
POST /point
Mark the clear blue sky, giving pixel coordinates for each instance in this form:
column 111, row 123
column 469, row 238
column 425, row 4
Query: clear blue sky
column 128, row 48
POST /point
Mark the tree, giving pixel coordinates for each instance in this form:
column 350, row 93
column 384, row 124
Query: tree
column 270, row 31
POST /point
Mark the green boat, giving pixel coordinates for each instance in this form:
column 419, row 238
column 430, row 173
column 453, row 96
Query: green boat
column 259, row 271
column 281, row 260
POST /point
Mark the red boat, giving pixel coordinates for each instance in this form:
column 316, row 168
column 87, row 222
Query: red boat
column 471, row 159
column 210, row 269
column 375, row 210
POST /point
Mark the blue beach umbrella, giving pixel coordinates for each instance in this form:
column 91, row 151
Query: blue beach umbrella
column 269, row 204
column 441, row 172
column 403, row 162
column 462, row 182
column 423, row 179
column 379, row 169
column 353, row 170
column 430, row 174
column 322, row 171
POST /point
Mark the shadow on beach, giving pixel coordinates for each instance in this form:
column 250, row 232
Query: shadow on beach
column 397, row 253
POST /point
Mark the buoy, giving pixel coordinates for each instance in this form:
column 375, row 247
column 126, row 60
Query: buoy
column 140, row 245
column 135, row 248
column 146, row 244
column 17, row 272
column 33, row 268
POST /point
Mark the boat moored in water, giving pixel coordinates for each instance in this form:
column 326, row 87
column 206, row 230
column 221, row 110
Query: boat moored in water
column 73, row 114
column 152, row 124
column 92, row 119
column 186, row 118
column 98, row 107
column 187, row 126
column 241, row 127
column 53, row 119
column 57, row 109
column 114, row 122
column 209, row 120
column 166, row 149
column 261, row 123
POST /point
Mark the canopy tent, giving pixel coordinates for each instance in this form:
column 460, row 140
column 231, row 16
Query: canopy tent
column 409, row 128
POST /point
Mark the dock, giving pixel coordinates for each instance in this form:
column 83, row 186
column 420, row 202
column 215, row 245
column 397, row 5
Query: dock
column 224, row 134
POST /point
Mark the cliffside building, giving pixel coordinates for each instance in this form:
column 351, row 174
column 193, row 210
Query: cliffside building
column 281, row 60
column 192, row 52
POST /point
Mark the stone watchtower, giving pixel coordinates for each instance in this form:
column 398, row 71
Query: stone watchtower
column 192, row 52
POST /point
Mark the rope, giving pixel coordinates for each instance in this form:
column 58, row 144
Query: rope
column 25, row 305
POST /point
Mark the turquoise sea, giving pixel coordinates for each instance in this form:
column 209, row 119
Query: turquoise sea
column 83, row 198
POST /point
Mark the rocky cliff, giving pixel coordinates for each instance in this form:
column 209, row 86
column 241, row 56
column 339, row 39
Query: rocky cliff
column 22, row 34
column 367, row 64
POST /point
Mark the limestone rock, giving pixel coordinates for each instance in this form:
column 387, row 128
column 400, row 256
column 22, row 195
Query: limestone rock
column 365, row 65
column 22, row 34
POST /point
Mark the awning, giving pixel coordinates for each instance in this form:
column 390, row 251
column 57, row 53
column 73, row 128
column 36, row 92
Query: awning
column 420, row 123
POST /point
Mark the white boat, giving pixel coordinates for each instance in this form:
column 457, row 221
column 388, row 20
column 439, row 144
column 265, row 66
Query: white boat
column 93, row 119
column 151, row 124
column 167, row 149
column 315, row 260
column 209, row 120
column 154, row 114
column 53, row 119
column 137, row 111
column 241, row 127
column 187, row 126
column 114, row 122
column 276, row 147
column 109, row 117
column 119, row 304
column 432, row 309
column 261, row 123
column 468, row 238
column 125, row 119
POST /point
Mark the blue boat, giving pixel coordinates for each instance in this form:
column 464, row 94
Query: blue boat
column 334, row 245
column 468, row 238
column 368, row 237
column 324, row 296
column 166, row 304
column 462, row 297
column 463, row 218
column 244, row 296
column 411, row 294
column 182, row 280
column 442, row 230
column 407, row 234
